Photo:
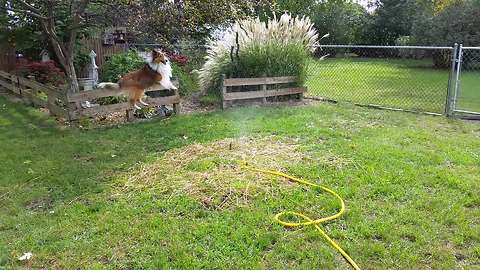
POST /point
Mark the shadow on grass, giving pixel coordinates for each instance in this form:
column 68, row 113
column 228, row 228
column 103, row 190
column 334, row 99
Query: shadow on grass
column 18, row 116
column 67, row 163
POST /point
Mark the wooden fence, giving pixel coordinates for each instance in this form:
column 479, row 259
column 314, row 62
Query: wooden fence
column 103, row 52
column 278, row 87
column 36, row 94
column 77, row 110
column 7, row 58
column 71, row 106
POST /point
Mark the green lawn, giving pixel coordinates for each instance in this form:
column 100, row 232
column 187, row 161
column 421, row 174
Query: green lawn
column 469, row 93
column 167, row 194
column 398, row 83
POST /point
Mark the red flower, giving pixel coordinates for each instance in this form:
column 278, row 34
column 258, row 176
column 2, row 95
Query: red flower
column 179, row 58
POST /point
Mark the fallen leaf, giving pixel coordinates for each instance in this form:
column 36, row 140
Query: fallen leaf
column 26, row 256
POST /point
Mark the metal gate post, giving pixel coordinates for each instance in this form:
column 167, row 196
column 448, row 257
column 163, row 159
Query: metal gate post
column 457, row 77
column 450, row 101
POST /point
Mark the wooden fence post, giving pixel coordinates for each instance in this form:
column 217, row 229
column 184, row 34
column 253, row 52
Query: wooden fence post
column 224, row 91
column 130, row 114
column 264, row 89
column 177, row 107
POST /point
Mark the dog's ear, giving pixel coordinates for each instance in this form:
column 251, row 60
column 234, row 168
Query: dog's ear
column 155, row 53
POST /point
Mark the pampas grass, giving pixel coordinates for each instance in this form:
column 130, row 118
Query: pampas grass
column 278, row 47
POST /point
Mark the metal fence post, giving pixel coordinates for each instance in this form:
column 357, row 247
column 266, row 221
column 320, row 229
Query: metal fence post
column 457, row 77
column 450, row 102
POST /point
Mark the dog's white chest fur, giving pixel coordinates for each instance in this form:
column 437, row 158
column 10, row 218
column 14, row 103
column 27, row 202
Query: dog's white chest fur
column 166, row 71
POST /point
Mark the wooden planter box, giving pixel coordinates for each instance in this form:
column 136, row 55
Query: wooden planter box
column 228, row 96
column 77, row 111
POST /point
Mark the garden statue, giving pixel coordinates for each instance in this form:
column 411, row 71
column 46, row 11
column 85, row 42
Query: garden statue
column 45, row 56
column 92, row 80
column 93, row 68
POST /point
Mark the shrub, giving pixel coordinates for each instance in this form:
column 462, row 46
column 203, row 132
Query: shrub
column 121, row 64
column 188, row 81
column 43, row 72
column 408, row 53
column 275, row 48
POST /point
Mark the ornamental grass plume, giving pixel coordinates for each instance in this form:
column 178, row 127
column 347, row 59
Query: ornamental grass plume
column 253, row 38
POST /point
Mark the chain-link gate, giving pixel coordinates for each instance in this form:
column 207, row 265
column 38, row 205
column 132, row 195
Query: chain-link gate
column 465, row 87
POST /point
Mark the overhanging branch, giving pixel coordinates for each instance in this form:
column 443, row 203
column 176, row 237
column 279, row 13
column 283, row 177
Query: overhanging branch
column 29, row 7
column 25, row 11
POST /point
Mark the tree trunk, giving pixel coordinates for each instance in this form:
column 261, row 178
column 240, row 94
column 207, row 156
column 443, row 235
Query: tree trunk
column 72, row 77
column 66, row 61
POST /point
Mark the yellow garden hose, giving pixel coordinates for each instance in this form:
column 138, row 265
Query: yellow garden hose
column 309, row 221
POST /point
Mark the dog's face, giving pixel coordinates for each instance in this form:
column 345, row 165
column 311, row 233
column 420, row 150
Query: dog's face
column 159, row 57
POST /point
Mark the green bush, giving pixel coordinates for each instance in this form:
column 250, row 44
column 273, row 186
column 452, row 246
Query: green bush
column 121, row 64
column 188, row 81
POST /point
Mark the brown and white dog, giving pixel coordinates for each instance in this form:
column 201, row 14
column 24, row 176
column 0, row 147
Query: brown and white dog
column 156, row 70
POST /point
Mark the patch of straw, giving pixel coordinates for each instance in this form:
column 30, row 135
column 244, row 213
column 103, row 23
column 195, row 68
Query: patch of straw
column 211, row 174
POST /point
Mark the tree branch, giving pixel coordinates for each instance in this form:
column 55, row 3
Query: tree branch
column 77, row 16
column 25, row 11
column 29, row 7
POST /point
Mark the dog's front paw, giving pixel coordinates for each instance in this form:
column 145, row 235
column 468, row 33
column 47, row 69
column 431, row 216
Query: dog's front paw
column 137, row 107
column 143, row 103
column 173, row 87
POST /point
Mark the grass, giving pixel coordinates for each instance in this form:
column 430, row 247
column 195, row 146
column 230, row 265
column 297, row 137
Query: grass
column 118, row 198
column 399, row 83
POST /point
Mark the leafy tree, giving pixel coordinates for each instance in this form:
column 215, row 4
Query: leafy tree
column 61, row 22
column 296, row 8
column 20, row 32
column 390, row 20
column 457, row 23
column 342, row 19
column 168, row 22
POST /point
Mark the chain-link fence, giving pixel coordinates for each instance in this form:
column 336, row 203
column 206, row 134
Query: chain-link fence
column 413, row 78
column 405, row 77
column 467, row 95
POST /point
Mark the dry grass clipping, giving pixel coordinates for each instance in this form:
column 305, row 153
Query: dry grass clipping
column 210, row 173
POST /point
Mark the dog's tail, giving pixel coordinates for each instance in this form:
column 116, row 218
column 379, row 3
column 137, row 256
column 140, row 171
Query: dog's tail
column 108, row 85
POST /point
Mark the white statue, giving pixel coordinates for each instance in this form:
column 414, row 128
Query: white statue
column 45, row 56
column 93, row 68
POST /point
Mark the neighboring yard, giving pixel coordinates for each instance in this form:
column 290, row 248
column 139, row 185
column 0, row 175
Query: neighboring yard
column 399, row 83
column 167, row 194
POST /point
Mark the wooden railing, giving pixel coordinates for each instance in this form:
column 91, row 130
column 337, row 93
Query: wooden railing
column 228, row 96
column 77, row 109
column 72, row 106
column 35, row 93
